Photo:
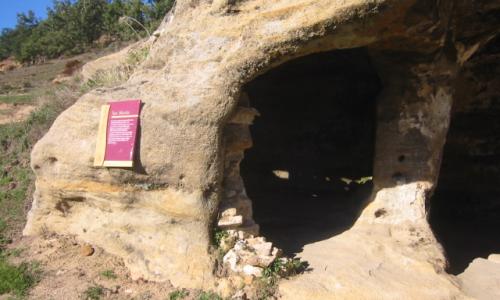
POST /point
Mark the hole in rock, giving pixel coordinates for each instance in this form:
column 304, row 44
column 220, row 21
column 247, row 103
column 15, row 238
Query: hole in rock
column 309, row 171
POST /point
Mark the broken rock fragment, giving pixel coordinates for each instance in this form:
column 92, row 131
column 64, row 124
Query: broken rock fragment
column 251, row 256
column 86, row 250
column 230, row 221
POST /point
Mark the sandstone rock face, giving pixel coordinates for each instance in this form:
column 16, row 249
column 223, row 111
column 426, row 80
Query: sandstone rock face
column 480, row 280
column 194, row 130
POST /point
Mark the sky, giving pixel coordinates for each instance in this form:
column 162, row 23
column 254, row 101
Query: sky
column 10, row 8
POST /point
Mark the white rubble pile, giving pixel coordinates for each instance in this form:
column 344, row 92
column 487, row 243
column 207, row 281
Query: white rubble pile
column 245, row 254
column 250, row 256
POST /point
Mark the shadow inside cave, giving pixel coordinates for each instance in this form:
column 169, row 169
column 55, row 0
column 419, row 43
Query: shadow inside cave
column 465, row 208
column 316, row 131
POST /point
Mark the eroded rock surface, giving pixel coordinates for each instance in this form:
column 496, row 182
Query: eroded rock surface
column 159, row 215
column 481, row 280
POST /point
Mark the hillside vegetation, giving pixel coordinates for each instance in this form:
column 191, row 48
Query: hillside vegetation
column 27, row 86
column 75, row 26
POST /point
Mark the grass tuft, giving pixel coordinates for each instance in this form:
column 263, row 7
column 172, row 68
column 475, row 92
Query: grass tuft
column 110, row 274
column 285, row 268
column 17, row 99
column 281, row 268
column 3, row 239
column 17, row 280
column 208, row 296
column 137, row 56
column 93, row 293
column 118, row 75
column 178, row 294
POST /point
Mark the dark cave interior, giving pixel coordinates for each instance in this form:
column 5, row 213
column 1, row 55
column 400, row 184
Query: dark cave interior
column 314, row 139
column 465, row 207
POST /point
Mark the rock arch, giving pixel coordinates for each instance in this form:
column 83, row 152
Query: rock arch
column 309, row 170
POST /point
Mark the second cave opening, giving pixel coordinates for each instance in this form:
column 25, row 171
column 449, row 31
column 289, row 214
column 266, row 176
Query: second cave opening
column 465, row 207
column 309, row 170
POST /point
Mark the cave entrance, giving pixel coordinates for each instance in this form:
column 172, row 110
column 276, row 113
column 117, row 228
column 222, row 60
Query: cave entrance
column 308, row 172
column 465, row 208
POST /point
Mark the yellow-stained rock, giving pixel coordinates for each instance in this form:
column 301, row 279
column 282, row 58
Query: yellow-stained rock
column 158, row 215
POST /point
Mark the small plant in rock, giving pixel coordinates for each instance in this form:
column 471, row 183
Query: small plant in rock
column 219, row 236
column 110, row 274
column 274, row 269
column 136, row 57
column 93, row 293
column 208, row 296
column 108, row 78
column 178, row 294
column 280, row 268
column 285, row 267
column 294, row 266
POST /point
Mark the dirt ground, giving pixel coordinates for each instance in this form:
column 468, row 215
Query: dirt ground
column 10, row 113
column 67, row 273
column 20, row 87
column 31, row 77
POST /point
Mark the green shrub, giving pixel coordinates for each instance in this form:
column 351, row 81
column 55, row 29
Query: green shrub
column 178, row 294
column 281, row 268
column 219, row 235
column 285, row 268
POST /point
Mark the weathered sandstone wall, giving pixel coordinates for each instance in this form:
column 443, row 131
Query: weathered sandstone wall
column 158, row 216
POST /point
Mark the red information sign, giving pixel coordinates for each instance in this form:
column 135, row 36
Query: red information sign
column 122, row 118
